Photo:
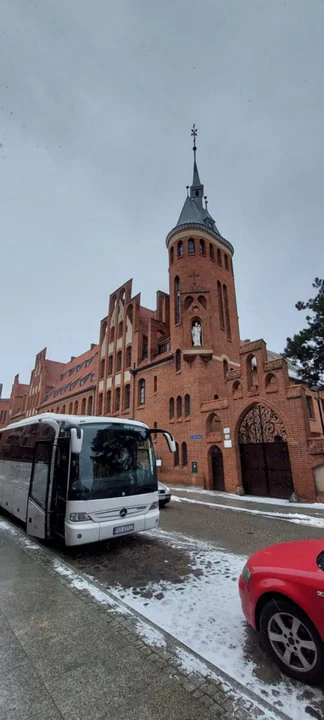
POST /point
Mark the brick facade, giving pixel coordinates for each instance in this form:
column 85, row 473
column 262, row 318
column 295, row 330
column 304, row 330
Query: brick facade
column 183, row 367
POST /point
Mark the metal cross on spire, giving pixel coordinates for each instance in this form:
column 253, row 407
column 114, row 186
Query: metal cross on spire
column 194, row 133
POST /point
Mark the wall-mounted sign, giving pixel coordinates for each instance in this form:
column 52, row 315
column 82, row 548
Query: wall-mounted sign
column 227, row 437
column 158, row 462
column 228, row 443
column 227, row 431
column 195, row 437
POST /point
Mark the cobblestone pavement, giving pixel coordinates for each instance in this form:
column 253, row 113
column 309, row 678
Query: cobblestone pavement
column 69, row 650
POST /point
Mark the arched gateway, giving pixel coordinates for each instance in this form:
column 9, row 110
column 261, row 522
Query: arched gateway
column 264, row 454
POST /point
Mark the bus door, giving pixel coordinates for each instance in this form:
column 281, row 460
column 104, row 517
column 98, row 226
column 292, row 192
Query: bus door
column 60, row 486
column 38, row 490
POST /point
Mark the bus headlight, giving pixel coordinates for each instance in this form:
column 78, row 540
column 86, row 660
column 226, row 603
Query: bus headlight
column 154, row 506
column 79, row 517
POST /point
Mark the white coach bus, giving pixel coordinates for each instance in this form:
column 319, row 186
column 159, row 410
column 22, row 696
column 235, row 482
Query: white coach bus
column 81, row 479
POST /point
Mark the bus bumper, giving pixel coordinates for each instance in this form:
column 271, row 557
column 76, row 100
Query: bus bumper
column 90, row 532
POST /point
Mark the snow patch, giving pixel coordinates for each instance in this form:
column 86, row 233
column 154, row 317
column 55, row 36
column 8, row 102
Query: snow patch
column 150, row 634
column 82, row 584
column 245, row 498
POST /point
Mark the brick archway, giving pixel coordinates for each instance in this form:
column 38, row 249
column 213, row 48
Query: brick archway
column 216, row 468
column 264, row 454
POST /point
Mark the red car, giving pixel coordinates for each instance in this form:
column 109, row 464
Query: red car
column 282, row 596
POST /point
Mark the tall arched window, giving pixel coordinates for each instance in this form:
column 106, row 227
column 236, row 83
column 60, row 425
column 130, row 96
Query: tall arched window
column 227, row 315
column 202, row 247
column 187, row 405
column 179, row 406
column 83, row 407
column 177, row 300
column 70, row 408
column 171, row 256
column 184, row 454
column 178, row 360
column 219, row 257
column 90, row 405
column 220, row 305
column 191, row 246
column 176, row 456
column 180, row 249
column 252, row 372
column 120, row 329
column 100, row 404
column 226, row 261
column 171, row 408
column 58, row 409
column 117, row 399
column 119, row 361
column 103, row 331
column 102, row 368
column 211, row 251
column 112, row 334
column 129, row 356
column 110, row 365
column 63, row 410
column 76, row 407
column 108, row 402
column 225, row 367
column 155, row 383
column 127, row 397
column 141, row 392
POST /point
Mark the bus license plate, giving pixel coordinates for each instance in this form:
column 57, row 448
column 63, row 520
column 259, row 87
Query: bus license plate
column 123, row 529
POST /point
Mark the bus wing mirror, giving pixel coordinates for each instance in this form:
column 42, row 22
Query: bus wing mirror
column 169, row 438
column 76, row 440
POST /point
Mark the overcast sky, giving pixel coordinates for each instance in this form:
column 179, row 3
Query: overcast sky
column 97, row 99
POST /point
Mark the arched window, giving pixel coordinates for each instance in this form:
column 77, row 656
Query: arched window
column 127, row 397
column 129, row 356
column 227, row 314
column 70, row 408
column 171, row 256
column 113, row 304
column 179, row 406
column 145, row 347
column 63, row 410
column 177, row 300
column 119, row 361
column 184, row 454
column 180, row 249
column 90, row 405
column 202, row 247
column 108, row 402
column 83, row 406
column 141, row 392
column 216, row 397
column 211, row 251
column 225, row 367
column 202, row 301
column 187, row 405
column 112, row 334
column 117, row 399
column 220, row 305
column 110, row 365
column 102, row 368
column 129, row 316
column 271, row 383
column 171, row 408
column 100, row 404
column 176, row 456
column 58, row 409
column 103, row 331
column 219, row 257
column 252, row 372
column 122, row 295
column 226, row 261
column 155, row 381
column 191, row 246
column 120, row 329
column 237, row 390
column 188, row 301
column 178, row 360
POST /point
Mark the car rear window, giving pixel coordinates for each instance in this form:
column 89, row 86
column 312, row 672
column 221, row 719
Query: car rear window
column 320, row 560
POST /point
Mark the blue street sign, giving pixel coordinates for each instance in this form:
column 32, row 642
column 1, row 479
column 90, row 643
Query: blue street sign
column 195, row 437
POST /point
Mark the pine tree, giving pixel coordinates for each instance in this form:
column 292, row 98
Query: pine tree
column 306, row 348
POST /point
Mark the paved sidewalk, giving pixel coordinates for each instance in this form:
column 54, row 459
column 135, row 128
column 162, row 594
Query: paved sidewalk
column 244, row 503
column 68, row 652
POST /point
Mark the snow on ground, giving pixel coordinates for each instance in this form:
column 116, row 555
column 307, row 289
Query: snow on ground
column 204, row 613
column 298, row 518
column 246, row 498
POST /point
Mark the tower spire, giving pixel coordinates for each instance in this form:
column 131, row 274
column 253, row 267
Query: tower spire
column 197, row 189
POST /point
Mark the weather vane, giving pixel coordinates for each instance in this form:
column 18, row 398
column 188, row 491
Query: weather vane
column 194, row 132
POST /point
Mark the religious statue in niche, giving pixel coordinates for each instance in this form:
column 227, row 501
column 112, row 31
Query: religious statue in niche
column 196, row 334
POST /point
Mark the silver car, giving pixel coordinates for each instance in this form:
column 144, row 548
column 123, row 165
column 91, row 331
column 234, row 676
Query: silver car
column 164, row 495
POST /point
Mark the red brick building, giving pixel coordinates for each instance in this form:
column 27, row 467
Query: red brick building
column 241, row 419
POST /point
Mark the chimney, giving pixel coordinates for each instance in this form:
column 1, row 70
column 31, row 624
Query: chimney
column 72, row 357
column 93, row 345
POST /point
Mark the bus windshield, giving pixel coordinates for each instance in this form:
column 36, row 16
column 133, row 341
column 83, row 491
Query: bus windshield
column 116, row 460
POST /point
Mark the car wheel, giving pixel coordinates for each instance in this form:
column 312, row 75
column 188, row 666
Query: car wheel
column 293, row 641
column 162, row 504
